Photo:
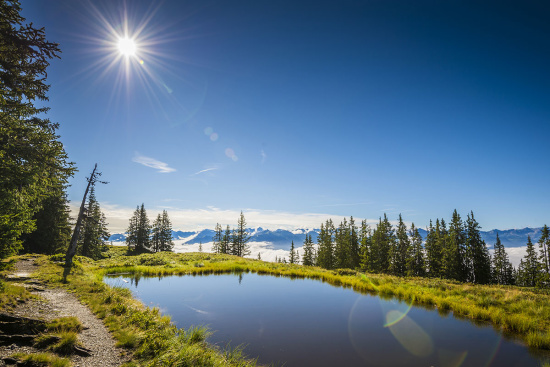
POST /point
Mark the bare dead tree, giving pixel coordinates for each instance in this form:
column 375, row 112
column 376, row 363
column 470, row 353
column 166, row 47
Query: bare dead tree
column 71, row 251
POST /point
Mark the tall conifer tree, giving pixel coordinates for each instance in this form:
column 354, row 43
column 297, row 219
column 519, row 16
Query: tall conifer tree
column 529, row 270
column 416, row 263
column 400, row 251
column 502, row 268
column 454, row 253
column 94, row 231
column 478, row 260
column 241, row 238
column 308, row 257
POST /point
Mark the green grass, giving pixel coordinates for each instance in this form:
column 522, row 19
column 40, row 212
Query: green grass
column 41, row 359
column 61, row 343
column 154, row 340
column 61, row 324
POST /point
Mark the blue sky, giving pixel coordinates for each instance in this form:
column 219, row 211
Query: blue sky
column 305, row 109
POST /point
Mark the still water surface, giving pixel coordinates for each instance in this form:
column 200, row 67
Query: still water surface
column 304, row 322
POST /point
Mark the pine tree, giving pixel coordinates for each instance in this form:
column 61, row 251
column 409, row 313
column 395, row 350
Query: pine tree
column 94, row 231
column 156, row 234
column 342, row 246
column 325, row 253
column 308, row 257
column 477, row 259
column 144, row 231
column 33, row 164
column 217, row 239
column 454, row 253
column 382, row 240
column 166, row 243
column 354, row 247
column 365, row 245
column 502, row 268
column 132, row 231
column 416, row 263
column 529, row 269
column 53, row 230
column 400, row 252
column 240, row 238
column 433, row 250
column 259, row 256
column 200, row 246
column 138, row 232
column 225, row 246
column 293, row 253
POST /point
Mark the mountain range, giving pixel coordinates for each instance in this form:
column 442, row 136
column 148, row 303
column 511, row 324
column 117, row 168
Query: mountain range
column 281, row 238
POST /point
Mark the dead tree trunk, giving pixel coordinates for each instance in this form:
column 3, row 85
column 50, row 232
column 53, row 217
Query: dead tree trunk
column 71, row 251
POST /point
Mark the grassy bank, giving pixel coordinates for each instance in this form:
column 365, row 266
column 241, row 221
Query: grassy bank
column 154, row 341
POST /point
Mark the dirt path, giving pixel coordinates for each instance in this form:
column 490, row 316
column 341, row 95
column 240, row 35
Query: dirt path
column 57, row 303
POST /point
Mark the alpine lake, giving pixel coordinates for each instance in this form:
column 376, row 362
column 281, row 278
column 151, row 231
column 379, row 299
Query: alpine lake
column 304, row 322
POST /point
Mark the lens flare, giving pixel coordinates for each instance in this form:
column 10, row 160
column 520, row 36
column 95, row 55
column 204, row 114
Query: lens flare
column 230, row 153
column 409, row 334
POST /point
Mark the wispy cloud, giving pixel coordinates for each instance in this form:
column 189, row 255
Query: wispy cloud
column 205, row 170
column 344, row 204
column 152, row 163
column 264, row 156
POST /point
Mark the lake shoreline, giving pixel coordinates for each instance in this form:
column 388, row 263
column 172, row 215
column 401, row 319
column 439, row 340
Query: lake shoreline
column 519, row 312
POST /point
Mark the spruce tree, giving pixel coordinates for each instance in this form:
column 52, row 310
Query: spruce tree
column 217, row 239
column 292, row 255
column 225, row 246
column 433, row 250
column 400, row 251
column 143, row 231
column 529, row 270
column 308, row 256
column 132, row 231
column 156, row 234
column 478, row 260
column 325, row 253
column 502, row 268
column 416, row 263
column 342, row 245
column 94, row 231
column 365, row 245
column 240, row 238
column 383, row 239
column 139, row 231
column 166, row 243
column 53, row 230
column 354, row 246
column 455, row 251
column 33, row 162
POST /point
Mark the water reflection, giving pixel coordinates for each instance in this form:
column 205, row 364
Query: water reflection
column 305, row 322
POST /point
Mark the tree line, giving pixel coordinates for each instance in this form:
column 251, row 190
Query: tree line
column 142, row 237
column 454, row 251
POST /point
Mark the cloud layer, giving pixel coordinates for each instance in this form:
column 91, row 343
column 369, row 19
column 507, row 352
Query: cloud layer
column 197, row 219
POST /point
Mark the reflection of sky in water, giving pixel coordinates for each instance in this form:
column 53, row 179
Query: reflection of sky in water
column 306, row 322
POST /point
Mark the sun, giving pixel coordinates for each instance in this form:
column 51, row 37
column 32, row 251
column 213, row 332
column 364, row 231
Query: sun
column 127, row 47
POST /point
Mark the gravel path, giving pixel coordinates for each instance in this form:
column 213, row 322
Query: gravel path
column 57, row 303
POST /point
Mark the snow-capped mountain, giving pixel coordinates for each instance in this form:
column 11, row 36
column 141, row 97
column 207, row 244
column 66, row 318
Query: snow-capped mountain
column 281, row 238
